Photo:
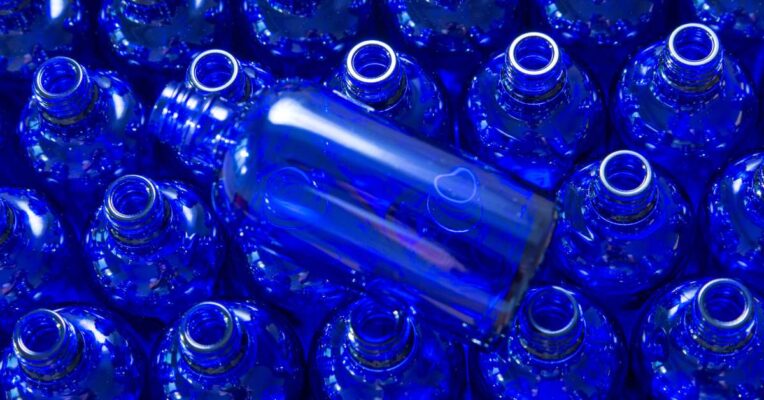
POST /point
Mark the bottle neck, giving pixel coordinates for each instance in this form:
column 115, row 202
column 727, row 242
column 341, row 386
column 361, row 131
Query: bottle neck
column 549, row 323
column 722, row 317
column 379, row 335
column 136, row 211
column 373, row 75
column 218, row 72
column 211, row 339
column 296, row 7
column 47, row 346
column 691, row 62
column 624, row 190
column 63, row 91
column 533, row 70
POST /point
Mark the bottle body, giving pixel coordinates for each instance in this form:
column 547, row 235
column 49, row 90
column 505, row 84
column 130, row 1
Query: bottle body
column 154, row 248
column 73, row 352
column 701, row 340
column 219, row 350
column 378, row 349
column 559, row 346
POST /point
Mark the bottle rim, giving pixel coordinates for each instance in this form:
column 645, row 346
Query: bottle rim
column 214, row 52
column 554, row 57
column 566, row 296
column 712, row 37
column 207, row 307
column 646, row 180
column 357, row 75
column 24, row 349
column 56, row 62
column 703, row 299
column 114, row 210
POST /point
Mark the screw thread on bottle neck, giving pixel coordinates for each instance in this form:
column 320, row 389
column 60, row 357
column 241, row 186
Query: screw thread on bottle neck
column 373, row 74
column 379, row 335
column 692, row 60
column 549, row 323
column 533, row 70
column 63, row 90
column 135, row 210
column 211, row 339
column 722, row 318
column 625, row 190
column 47, row 346
column 218, row 72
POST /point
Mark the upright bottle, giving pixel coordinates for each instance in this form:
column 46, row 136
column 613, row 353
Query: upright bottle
column 685, row 105
column 304, row 37
column 591, row 29
column 341, row 187
column 395, row 86
column 734, row 220
column 377, row 349
column 453, row 37
column 532, row 112
column 80, row 130
column 36, row 259
column 623, row 231
column 228, row 350
column 702, row 339
column 72, row 353
column 155, row 248
column 559, row 346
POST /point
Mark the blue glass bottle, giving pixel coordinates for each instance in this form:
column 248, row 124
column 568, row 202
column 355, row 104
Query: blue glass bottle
column 226, row 350
column 559, row 346
column 80, row 130
column 624, row 229
column 590, row 29
column 330, row 184
column 72, row 353
column 395, row 86
column 304, row 37
column 155, row 248
column 378, row 349
column 734, row 220
column 702, row 339
column 533, row 113
column 685, row 105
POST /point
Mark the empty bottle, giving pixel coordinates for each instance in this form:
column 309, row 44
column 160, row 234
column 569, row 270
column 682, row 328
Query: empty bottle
column 377, row 349
column 80, row 130
column 590, row 29
column 155, row 248
column 72, row 353
column 303, row 37
column 228, row 350
column 395, row 86
column 559, row 346
column 533, row 113
column 702, row 339
column 35, row 256
column 331, row 185
column 734, row 220
column 624, row 229
column 685, row 105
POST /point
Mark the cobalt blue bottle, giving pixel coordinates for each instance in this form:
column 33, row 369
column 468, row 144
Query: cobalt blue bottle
column 685, row 105
column 377, row 349
column 559, row 346
column 623, row 230
column 155, row 248
column 72, row 353
column 395, row 86
column 36, row 258
column 533, row 113
column 228, row 350
column 331, row 185
column 80, row 130
column 304, row 37
column 702, row 339
column 734, row 220
column 590, row 29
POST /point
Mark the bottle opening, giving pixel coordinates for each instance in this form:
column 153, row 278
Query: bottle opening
column 375, row 325
column 59, row 77
column 693, row 44
column 371, row 61
column 725, row 303
column 130, row 198
column 207, row 327
column 39, row 334
column 214, row 70
column 552, row 311
column 625, row 173
column 379, row 334
column 533, row 53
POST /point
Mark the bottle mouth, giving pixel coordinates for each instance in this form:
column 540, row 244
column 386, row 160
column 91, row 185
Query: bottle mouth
column 214, row 71
column 130, row 198
column 39, row 335
column 380, row 334
column 694, row 45
column 552, row 311
column 725, row 303
column 59, row 77
column 371, row 61
column 207, row 327
column 625, row 173
column 533, row 54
